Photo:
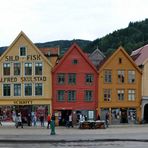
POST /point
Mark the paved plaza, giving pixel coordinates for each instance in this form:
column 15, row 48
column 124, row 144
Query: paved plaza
column 9, row 133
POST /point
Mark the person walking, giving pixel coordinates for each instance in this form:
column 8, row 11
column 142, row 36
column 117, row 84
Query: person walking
column 107, row 119
column 70, row 120
column 19, row 120
column 34, row 119
column 48, row 120
column 42, row 120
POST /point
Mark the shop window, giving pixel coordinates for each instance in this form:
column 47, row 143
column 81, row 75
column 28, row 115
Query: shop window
column 38, row 89
column 88, row 95
column 38, row 68
column 60, row 95
column 131, row 76
column 107, row 76
column 71, row 95
column 17, row 89
column 61, row 78
column 6, row 90
column 17, row 69
column 6, row 69
column 28, row 89
column 89, row 78
column 28, row 68
column 23, row 51
column 71, row 78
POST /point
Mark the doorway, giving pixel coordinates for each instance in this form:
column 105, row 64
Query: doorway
column 146, row 113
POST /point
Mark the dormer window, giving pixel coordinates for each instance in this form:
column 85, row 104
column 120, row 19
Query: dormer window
column 74, row 61
column 23, row 51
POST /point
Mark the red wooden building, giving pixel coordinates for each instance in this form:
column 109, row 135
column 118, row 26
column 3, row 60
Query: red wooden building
column 74, row 86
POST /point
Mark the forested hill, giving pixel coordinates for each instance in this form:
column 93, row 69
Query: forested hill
column 131, row 38
column 62, row 44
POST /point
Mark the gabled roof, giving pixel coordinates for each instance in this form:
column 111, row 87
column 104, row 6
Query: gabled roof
column 140, row 55
column 114, row 54
column 24, row 35
column 74, row 46
column 50, row 50
column 97, row 51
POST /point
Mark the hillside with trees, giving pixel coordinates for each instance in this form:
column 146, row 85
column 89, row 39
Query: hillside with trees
column 62, row 44
column 131, row 38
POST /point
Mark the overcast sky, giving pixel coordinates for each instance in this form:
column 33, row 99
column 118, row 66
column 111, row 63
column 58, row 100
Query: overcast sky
column 48, row 20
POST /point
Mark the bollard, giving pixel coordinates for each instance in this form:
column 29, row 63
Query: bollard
column 52, row 127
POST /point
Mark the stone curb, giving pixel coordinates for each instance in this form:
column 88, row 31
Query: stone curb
column 65, row 141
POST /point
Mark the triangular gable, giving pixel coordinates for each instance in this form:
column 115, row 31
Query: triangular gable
column 97, row 51
column 114, row 54
column 24, row 35
column 74, row 46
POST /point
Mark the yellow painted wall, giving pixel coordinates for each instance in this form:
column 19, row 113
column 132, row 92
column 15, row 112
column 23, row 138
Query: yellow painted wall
column 113, row 64
column 13, row 51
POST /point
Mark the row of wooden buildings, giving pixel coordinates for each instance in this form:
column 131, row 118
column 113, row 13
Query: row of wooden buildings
column 38, row 80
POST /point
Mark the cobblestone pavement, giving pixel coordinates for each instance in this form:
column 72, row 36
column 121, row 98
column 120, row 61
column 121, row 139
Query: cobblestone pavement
column 138, row 132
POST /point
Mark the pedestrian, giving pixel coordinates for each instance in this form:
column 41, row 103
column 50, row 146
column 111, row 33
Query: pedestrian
column 19, row 120
column 34, row 119
column 70, row 121
column 42, row 120
column 48, row 120
column 29, row 119
column 98, row 117
column 107, row 119
column 13, row 115
column 1, row 117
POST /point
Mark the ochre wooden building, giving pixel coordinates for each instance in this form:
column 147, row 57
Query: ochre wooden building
column 119, row 88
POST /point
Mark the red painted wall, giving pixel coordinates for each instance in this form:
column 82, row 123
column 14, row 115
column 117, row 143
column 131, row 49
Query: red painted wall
column 81, row 69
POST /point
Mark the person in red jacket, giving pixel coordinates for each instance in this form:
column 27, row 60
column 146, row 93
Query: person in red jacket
column 48, row 120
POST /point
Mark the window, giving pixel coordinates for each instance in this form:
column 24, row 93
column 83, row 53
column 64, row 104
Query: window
column 107, row 76
column 107, row 94
column 120, row 60
column 88, row 95
column 6, row 90
column 89, row 78
column 60, row 94
column 38, row 89
column 6, row 69
column 72, row 78
column 17, row 69
column 74, row 61
column 131, row 95
column 120, row 94
column 17, row 89
column 28, row 68
column 131, row 76
column 38, row 68
column 72, row 95
column 28, row 89
column 120, row 76
column 22, row 51
column 61, row 78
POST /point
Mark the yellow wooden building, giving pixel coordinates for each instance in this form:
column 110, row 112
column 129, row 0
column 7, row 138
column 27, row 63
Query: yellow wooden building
column 119, row 90
column 25, row 80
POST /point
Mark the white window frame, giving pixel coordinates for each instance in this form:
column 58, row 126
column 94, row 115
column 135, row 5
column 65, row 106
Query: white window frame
column 20, row 51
